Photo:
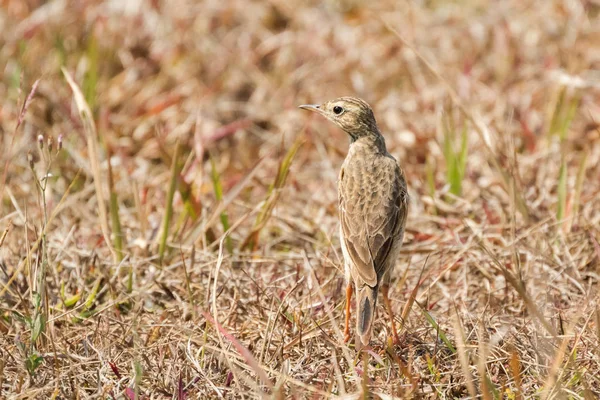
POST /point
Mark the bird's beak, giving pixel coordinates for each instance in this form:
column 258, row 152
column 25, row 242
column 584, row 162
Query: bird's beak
column 311, row 107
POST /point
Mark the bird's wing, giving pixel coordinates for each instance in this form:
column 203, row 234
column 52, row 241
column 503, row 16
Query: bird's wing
column 373, row 210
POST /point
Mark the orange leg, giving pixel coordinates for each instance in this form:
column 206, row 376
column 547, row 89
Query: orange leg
column 388, row 307
column 347, row 325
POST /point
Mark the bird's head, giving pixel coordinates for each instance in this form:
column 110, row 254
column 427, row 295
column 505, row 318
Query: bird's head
column 353, row 115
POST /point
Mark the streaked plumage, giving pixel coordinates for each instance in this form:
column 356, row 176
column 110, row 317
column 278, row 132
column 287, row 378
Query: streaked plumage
column 373, row 204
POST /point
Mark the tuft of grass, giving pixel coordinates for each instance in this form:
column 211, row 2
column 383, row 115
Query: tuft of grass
column 563, row 113
column 455, row 154
column 39, row 289
column 246, row 354
column 36, row 324
column 201, row 228
column 251, row 241
column 437, row 328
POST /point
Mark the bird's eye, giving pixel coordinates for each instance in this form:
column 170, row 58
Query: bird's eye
column 338, row 110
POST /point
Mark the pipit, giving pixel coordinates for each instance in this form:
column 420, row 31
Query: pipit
column 373, row 204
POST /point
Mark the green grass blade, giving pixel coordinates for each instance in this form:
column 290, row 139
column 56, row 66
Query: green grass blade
column 169, row 205
column 437, row 328
column 114, row 213
column 456, row 160
column 568, row 118
column 462, row 158
column 557, row 113
column 218, row 188
column 89, row 301
column 562, row 191
column 90, row 79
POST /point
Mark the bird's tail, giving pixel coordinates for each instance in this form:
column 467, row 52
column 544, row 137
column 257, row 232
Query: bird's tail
column 366, row 300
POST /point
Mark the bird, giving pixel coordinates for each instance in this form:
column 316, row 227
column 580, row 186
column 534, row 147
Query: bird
column 373, row 207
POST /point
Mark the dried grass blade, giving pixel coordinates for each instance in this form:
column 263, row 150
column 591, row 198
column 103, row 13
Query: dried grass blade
column 216, row 281
column 554, row 377
column 26, row 105
column 413, row 294
column 597, row 315
column 404, row 369
column 483, row 377
column 578, row 186
column 244, row 352
column 462, row 355
column 562, row 192
column 314, row 282
column 91, row 135
column 5, row 233
column 515, row 369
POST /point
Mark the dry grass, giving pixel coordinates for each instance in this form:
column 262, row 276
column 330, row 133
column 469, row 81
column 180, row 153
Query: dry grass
column 171, row 276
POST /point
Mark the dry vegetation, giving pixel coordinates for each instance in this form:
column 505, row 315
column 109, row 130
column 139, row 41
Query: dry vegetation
column 157, row 126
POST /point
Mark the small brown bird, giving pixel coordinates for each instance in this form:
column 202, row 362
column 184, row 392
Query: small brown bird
column 373, row 204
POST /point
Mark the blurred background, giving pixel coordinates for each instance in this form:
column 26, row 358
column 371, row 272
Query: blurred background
column 187, row 126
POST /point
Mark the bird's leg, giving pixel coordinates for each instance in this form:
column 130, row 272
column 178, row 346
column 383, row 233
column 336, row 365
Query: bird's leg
column 347, row 325
column 388, row 306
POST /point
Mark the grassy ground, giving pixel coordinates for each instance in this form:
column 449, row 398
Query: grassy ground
column 135, row 134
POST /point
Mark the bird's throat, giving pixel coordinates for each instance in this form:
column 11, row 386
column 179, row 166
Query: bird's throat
column 373, row 142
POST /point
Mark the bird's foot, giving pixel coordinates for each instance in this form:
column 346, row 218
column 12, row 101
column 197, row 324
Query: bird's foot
column 346, row 337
